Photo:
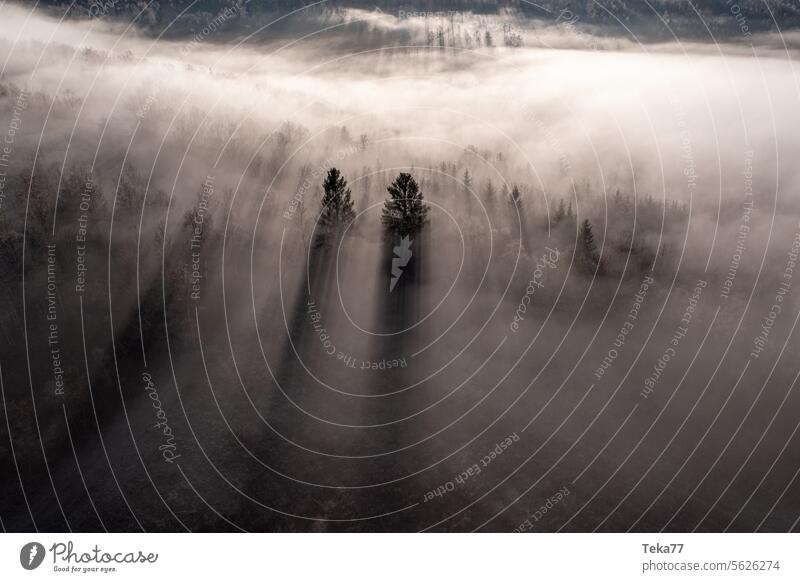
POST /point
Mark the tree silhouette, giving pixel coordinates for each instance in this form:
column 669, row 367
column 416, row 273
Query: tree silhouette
column 618, row 201
column 589, row 257
column 489, row 198
column 404, row 212
column 467, row 179
column 488, row 192
column 337, row 205
column 560, row 212
column 504, row 192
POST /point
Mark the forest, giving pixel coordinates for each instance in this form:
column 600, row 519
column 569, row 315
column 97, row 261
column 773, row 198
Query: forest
column 316, row 283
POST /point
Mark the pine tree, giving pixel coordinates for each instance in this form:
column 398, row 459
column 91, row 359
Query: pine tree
column 590, row 259
column 337, row 205
column 488, row 193
column 467, row 179
column 404, row 212
column 560, row 212
column 618, row 202
column 505, row 196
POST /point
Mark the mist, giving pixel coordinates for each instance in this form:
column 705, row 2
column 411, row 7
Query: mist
column 601, row 289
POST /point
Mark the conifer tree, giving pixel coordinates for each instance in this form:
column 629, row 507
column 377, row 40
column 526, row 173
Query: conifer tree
column 560, row 212
column 589, row 257
column 404, row 212
column 467, row 179
column 489, row 194
column 504, row 192
column 337, row 205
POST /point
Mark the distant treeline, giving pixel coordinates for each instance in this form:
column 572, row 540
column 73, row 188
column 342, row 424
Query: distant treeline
column 616, row 17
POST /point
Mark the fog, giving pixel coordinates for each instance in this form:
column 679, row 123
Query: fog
column 611, row 113
column 302, row 393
